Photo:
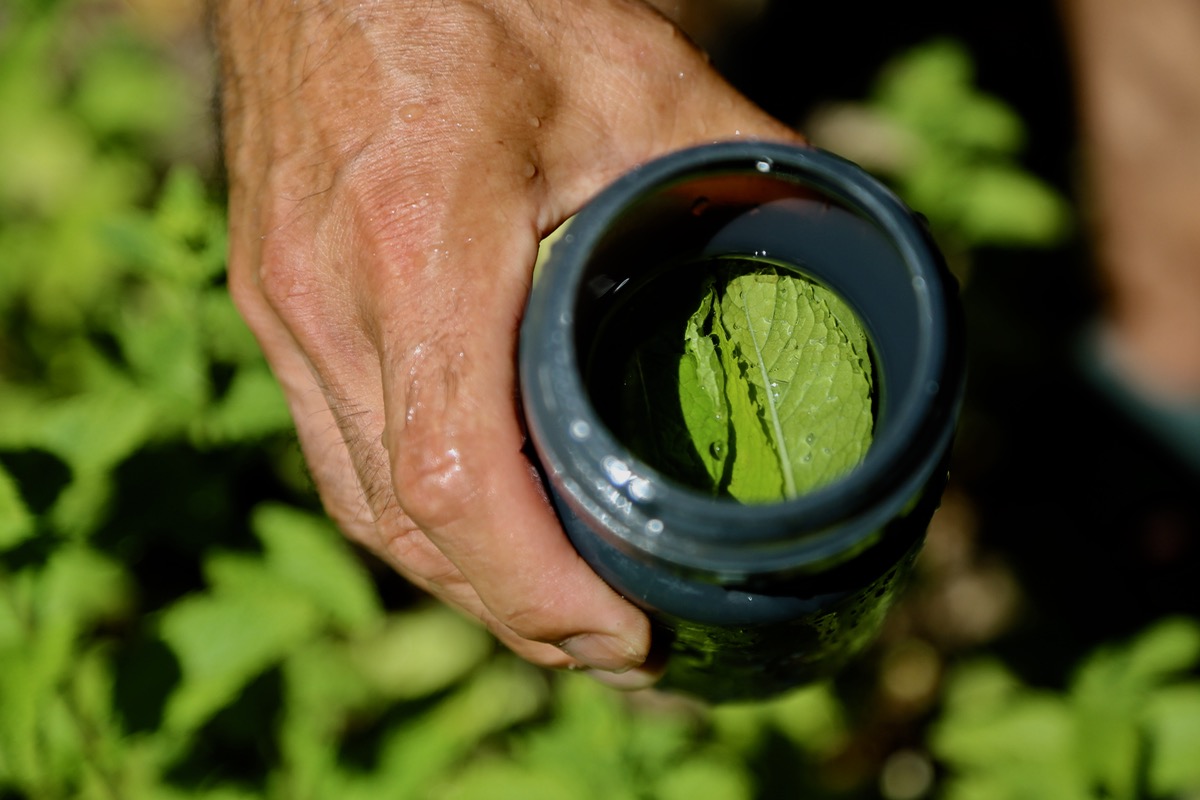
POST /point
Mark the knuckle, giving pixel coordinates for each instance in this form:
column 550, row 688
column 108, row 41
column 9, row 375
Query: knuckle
column 429, row 452
column 302, row 239
column 408, row 547
column 432, row 485
column 406, row 544
column 286, row 278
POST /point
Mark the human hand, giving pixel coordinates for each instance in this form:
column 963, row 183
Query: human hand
column 393, row 166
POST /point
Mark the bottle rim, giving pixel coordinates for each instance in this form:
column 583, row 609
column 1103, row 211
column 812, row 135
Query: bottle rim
column 647, row 514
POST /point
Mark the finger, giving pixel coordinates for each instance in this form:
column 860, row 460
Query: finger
column 455, row 444
column 362, row 509
column 334, row 391
column 351, row 497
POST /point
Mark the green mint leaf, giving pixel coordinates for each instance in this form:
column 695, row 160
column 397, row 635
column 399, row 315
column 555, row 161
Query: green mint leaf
column 756, row 469
column 655, row 419
column 702, row 399
column 796, row 410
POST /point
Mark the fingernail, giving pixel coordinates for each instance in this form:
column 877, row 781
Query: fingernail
column 602, row 651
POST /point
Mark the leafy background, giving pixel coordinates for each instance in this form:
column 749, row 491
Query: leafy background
column 178, row 620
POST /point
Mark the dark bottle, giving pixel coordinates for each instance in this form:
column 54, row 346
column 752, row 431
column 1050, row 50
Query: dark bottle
column 752, row 598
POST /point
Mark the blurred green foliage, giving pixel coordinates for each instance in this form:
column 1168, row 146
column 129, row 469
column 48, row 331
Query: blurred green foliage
column 961, row 168
column 177, row 621
column 950, row 150
column 1126, row 727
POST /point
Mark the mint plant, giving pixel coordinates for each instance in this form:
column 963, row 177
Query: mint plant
column 208, row 635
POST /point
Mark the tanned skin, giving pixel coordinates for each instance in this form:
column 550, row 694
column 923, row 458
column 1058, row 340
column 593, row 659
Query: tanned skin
column 393, row 165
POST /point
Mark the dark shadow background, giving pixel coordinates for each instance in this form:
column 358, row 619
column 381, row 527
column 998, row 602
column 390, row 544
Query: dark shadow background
column 1098, row 520
column 1096, row 523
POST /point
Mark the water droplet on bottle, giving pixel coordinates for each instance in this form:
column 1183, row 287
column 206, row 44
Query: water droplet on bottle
column 618, row 471
column 654, row 527
column 641, row 489
column 580, row 430
column 763, row 165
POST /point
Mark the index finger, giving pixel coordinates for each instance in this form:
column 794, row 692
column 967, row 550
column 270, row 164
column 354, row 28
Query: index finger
column 455, row 443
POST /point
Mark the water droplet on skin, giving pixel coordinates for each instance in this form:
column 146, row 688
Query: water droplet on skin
column 535, row 122
column 411, row 112
column 530, row 170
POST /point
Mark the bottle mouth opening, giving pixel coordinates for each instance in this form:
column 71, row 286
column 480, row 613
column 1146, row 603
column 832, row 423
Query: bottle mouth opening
column 800, row 209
